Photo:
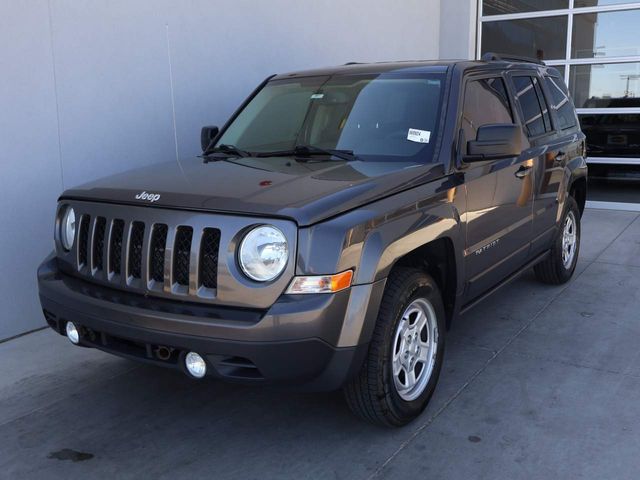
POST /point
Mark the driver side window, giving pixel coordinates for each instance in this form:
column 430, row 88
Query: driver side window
column 485, row 102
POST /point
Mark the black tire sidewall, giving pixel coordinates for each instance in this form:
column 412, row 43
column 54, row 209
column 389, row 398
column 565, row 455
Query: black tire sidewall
column 418, row 286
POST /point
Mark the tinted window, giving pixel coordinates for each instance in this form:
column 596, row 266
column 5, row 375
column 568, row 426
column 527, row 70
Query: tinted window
column 532, row 105
column 485, row 102
column 501, row 7
column 561, row 103
column 606, row 85
column 541, row 38
column 606, row 34
column 612, row 135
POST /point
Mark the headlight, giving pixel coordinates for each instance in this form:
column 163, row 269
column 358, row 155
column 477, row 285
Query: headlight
column 263, row 253
column 68, row 228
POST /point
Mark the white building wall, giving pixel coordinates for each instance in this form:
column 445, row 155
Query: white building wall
column 92, row 88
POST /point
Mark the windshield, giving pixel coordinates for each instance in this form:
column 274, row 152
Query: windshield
column 389, row 117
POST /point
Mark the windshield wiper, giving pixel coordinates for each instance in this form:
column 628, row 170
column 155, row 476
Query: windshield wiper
column 228, row 150
column 309, row 150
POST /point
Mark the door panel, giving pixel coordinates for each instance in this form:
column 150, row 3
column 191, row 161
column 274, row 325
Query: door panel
column 499, row 216
column 499, row 194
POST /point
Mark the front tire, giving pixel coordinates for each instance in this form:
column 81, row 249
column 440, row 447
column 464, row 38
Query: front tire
column 404, row 360
column 559, row 266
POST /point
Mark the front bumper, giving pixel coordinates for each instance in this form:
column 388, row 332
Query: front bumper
column 314, row 342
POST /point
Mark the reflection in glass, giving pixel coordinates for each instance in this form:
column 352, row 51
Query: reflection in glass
column 541, row 38
column 606, row 34
column 612, row 135
column 501, row 7
column 598, row 3
column 605, row 85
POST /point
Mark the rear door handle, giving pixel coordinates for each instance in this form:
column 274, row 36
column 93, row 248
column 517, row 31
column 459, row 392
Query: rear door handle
column 523, row 171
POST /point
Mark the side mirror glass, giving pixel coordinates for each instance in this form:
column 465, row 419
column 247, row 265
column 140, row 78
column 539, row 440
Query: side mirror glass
column 207, row 135
column 495, row 141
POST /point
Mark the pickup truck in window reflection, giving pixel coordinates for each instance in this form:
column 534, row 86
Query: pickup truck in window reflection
column 331, row 231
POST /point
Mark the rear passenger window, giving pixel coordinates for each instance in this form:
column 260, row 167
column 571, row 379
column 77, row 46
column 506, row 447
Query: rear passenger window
column 533, row 105
column 561, row 103
column 485, row 102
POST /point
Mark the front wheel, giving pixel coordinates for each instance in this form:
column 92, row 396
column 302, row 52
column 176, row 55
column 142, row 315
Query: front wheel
column 559, row 266
column 405, row 355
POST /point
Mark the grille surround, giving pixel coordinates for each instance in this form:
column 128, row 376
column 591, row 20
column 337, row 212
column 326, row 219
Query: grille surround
column 232, row 287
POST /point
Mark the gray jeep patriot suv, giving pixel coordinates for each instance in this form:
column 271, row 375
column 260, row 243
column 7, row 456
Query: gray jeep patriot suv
column 331, row 231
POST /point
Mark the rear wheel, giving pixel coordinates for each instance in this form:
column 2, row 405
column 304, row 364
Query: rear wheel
column 559, row 266
column 405, row 355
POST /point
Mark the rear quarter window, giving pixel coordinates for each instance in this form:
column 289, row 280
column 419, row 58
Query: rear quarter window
column 561, row 103
column 533, row 105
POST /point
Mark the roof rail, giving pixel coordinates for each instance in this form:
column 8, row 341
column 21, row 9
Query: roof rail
column 498, row 57
column 353, row 63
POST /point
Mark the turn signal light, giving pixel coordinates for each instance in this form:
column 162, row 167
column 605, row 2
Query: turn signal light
column 321, row 283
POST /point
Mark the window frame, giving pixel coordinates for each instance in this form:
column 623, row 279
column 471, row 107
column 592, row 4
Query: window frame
column 470, row 77
column 532, row 74
column 556, row 114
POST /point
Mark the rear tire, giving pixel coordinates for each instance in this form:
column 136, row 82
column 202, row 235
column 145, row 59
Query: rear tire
column 404, row 360
column 559, row 266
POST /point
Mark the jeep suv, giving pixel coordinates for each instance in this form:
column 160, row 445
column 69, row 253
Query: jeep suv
column 331, row 231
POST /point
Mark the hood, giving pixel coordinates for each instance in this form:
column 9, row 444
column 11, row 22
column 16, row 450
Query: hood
column 306, row 192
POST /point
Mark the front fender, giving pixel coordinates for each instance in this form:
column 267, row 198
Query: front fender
column 371, row 239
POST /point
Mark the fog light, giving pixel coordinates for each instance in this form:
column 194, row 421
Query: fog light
column 72, row 333
column 195, row 364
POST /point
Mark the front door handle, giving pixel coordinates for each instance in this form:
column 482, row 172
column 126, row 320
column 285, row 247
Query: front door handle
column 523, row 171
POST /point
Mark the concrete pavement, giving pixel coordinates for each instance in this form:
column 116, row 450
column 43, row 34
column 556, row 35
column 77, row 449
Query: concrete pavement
column 539, row 382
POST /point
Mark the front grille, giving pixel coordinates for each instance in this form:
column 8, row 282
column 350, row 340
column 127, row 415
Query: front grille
column 135, row 249
column 156, row 255
column 115, row 247
column 153, row 252
column 209, row 257
column 181, row 255
column 98, row 243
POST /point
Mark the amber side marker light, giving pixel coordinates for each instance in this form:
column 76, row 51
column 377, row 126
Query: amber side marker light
column 321, row 283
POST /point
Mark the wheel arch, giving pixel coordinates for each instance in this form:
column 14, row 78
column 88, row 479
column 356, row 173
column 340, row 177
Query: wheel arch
column 437, row 258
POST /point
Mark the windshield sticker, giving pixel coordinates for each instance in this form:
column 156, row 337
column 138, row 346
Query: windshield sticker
column 419, row 136
column 317, row 96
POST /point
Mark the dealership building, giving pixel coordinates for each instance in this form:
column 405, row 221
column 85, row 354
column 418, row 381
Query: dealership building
column 92, row 88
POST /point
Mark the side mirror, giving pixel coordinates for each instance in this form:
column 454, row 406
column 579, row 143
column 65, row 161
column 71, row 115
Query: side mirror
column 207, row 134
column 495, row 141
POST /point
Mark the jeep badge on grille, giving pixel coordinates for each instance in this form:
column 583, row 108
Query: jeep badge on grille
column 151, row 197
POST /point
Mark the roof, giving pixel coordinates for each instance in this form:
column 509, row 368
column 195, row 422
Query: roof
column 409, row 66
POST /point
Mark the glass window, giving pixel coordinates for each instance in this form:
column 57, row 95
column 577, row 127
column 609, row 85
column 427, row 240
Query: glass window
column 541, row 38
column 533, row 105
column 605, row 85
column 501, row 7
column 485, row 102
column 598, row 3
column 378, row 117
column 561, row 103
column 606, row 34
column 612, row 135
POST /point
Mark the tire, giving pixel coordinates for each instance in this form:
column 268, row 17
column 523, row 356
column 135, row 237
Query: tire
column 375, row 394
column 556, row 269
